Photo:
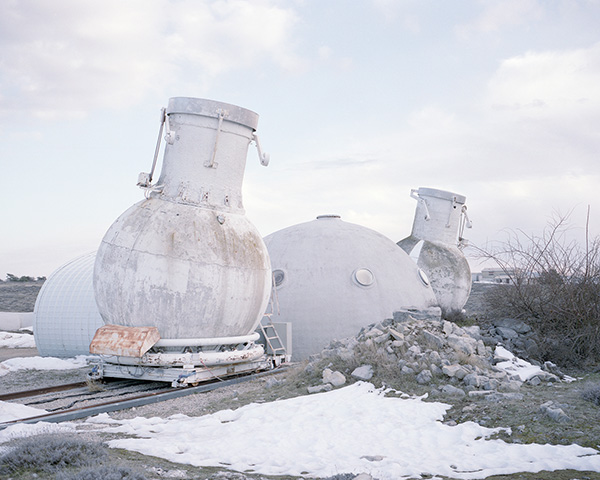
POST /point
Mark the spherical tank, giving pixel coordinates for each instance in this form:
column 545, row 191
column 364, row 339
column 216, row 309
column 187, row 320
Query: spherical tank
column 65, row 315
column 434, row 242
column 186, row 260
column 332, row 278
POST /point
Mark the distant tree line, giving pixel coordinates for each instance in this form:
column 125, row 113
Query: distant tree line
column 13, row 278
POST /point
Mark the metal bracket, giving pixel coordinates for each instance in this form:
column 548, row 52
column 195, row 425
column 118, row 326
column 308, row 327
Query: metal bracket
column 145, row 179
column 211, row 163
column 464, row 222
column 414, row 194
column 264, row 157
column 454, row 204
column 169, row 136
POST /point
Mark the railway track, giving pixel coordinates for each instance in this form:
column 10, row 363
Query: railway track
column 79, row 400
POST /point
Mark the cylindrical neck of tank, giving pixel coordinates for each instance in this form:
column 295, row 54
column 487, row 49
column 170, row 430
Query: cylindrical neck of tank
column 205, row 153
column 438, row 214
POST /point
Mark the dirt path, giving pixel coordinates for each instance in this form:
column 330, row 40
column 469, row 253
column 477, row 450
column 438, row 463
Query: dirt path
column 6, row 353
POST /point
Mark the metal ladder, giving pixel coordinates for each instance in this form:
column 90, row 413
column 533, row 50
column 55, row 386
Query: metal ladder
column 274, row 343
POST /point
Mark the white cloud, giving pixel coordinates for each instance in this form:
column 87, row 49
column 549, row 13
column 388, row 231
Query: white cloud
column 497, row 16
column 226, row 35
column 546, row 106
column 549, row 83
column 394, row 11
column 69, row 56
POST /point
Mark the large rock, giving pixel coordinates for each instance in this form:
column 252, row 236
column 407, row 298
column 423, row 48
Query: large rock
column 364, row 372
column 516, row 325
column 457, row 371
column 453, row 391
column 554, row 412
column 466, row 345
column 337, row 379
column 424, row 377
column 434, row 341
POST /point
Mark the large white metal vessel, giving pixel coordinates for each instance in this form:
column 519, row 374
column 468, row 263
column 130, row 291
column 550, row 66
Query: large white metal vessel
column 186, row 260
column 434, row 242
column 332, row 278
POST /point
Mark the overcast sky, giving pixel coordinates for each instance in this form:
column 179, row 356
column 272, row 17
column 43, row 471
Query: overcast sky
column 359, row 102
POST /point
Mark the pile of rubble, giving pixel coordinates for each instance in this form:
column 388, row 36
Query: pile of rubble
column 452, row 360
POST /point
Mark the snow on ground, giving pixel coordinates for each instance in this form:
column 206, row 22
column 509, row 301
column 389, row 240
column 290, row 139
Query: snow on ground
column 514, row 365
column 350, row 430
column 517, row 366
column 42, row 363
column 15, row 411
column 16, row 340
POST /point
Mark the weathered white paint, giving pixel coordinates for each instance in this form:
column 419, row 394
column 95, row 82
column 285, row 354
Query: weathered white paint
column 433, row 243
column 65, row 315
column 208, row 342
column 438, row 215
column 186, row 260
column 324, row 288
column 207, row 359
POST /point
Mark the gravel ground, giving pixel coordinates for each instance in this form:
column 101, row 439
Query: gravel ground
column 524, row 416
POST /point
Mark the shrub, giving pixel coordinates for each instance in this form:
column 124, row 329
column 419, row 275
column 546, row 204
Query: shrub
column 49, row 453
column 554, row 287
column 103, row 473
column 591, row 393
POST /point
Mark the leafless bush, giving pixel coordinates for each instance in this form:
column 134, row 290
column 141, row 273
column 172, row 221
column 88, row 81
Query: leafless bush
column 591, row 393
column 555, row 287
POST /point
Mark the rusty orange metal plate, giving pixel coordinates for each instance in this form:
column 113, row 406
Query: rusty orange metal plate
column 124, row 341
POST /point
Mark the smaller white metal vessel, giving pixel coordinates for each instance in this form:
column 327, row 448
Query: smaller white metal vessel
column 435, row 244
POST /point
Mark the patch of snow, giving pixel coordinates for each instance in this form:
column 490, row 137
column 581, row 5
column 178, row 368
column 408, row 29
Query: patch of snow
column 43, row 363
column 514, row 365
column 341, row 432
column 15, row 411
column 16, row 340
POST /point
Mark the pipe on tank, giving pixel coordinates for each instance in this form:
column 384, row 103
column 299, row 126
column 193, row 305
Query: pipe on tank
column 206, row 342
column 206, row 359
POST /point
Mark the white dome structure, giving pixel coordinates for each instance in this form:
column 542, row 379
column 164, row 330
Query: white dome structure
column 332, row 278
column 65, row 314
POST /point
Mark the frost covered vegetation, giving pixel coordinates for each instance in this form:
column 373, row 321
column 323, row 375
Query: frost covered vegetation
column 18, row 296
column 554, row 288
column 62, row 458
column 591, row 393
